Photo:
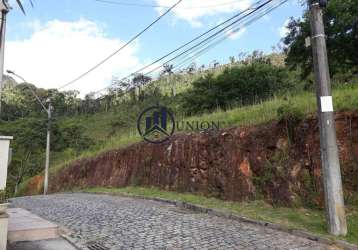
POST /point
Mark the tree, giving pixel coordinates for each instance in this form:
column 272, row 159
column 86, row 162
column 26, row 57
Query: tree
column 30, row 142
column 4, row 9
column 71, row 135
column 341, row 25
column 28, row 148
column 138, row 81
column 72, row 102
column 232, row 59
column 19, row 101
column 243, row 85
column 90, row 104
column 215, row 64
column 168, row 69
column 191, row 68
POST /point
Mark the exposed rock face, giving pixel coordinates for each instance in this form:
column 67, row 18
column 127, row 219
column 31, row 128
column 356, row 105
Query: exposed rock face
column 233, row 164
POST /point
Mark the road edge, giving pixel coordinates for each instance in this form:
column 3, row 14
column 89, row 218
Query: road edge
column 228, row 215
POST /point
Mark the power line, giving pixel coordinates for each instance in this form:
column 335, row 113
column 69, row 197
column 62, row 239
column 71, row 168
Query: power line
column 239, row 27
column 122, row 47
column 205, row 41
column 207, row 45
column 224, row 36
column 193, row 40
column 131, row 4
column 211, row 38
column 163, row 6
column 214, row 35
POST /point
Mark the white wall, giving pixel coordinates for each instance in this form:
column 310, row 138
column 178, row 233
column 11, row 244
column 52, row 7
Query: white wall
column 4, row 159
column 3, row 231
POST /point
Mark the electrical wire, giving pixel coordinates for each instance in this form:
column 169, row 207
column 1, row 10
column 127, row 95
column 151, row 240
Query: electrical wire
column 213, row 35
column 210, row 39
column 118, row 50
column 163, row 6
column 225, row 36
column 234, row 30
column 195, row 39
column 131, row 4
column 191, row 41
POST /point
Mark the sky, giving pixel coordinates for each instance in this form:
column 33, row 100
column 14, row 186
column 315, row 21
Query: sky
column 56, row 41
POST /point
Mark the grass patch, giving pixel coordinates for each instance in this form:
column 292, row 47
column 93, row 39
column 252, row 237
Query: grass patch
column 112, row 143
column 345, row 98
column 310, row 220
column 97, row 126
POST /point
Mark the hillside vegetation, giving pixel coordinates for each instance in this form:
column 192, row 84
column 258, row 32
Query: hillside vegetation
column 246, row 93
column 263, row 163
column 251, row 89
column 117, row 129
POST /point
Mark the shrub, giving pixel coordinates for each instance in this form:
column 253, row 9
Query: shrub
column 3, row 197
column 240, row 85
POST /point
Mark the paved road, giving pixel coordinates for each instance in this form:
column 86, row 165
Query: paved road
column 55, row 244
column 125, row 223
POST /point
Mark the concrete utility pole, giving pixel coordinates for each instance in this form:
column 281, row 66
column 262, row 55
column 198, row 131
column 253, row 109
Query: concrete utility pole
column 4, row 9
column 47, row 164
column 333, row 190
column 48, row 111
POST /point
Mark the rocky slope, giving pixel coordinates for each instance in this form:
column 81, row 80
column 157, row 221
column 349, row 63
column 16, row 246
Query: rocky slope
column 233, row 164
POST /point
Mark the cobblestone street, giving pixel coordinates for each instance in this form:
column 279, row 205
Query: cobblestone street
column 124, row 223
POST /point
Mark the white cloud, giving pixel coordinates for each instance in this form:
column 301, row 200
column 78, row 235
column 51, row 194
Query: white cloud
column 283, row 31
column 192, row 11
column 59, row 51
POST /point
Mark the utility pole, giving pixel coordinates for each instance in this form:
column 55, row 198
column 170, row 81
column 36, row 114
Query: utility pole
column 48, row 111
column 4, row 9
column 334, row 202
column 47, row 164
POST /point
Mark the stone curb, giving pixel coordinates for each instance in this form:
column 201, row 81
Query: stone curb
column 70, row 240
column 228, row 215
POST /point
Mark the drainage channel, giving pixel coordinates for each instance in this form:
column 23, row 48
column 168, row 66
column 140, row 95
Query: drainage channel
column 97, row 244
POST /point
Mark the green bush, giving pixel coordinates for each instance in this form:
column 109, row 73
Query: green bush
column 240, row 85
column 3, row 197
column 72, row 136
